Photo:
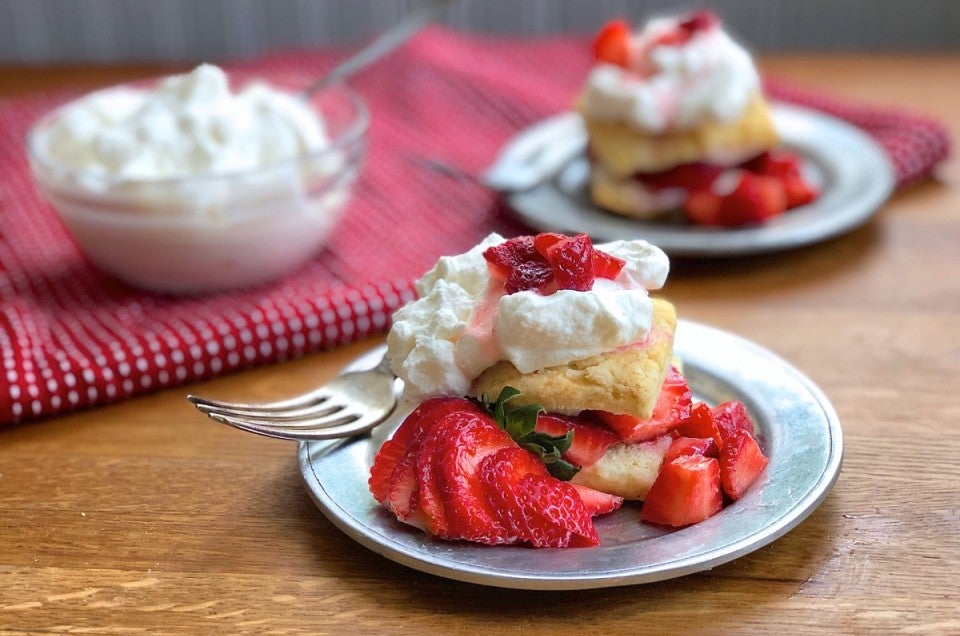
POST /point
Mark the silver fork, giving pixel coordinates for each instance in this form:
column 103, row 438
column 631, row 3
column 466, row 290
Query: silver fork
column 350, row 404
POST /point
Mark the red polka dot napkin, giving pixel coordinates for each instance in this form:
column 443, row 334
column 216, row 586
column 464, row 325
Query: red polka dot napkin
column 72, row 337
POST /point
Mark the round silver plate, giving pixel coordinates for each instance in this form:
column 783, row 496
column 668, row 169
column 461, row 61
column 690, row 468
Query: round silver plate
column 851, row 169
column 799, row 432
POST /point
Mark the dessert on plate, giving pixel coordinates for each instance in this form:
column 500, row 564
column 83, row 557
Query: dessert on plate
column 676, row 119
column 544, row 392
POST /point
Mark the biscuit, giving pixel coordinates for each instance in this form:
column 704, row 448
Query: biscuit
column 626, row 381
column 627, row 470
column 624, row 151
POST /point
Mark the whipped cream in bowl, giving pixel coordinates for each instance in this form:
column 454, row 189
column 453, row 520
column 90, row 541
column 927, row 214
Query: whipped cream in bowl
column 204, row 181
column 464, row 322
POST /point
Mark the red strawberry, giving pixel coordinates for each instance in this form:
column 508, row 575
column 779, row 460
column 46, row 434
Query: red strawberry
column 686, row 491
column 612, row 43
column 690, row 176
column 700, row 423
column 730, row 417
column 589, row 442
column 520, row 264
column 606, row 266
column 571, row 259
column 402, row 497
column 798, row 191
column 741, row 462
column 672, row 407
column 701, row 20
column 467, row 439
column 540, row 509
column 705, row 446
column 597, row 502
column 754, row 200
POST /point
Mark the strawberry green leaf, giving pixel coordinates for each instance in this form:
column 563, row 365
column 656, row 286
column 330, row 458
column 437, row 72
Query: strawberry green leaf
column 520, row 422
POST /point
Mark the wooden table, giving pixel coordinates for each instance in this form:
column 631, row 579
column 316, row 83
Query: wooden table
column 146, row 517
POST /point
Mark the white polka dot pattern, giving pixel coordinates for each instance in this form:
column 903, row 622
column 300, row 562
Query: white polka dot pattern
column 72, row 337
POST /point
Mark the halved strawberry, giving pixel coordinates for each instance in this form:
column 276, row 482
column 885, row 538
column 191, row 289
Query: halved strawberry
column 540, row 509
column 705, row 446
column 686, row 491
column 731, row 416
column 672, row 407
column 612, row 43
column 700, row 423
column 589, row 444
column 597, row 502
column 741, row 462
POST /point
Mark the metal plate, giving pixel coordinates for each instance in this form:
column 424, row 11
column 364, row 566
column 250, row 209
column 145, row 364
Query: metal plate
column 799, row 432
column 852, row 171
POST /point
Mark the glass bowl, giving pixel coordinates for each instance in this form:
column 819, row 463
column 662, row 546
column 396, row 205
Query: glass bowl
column 209, row 232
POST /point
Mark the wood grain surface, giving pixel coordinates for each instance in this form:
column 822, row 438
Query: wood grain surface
column 144, row 517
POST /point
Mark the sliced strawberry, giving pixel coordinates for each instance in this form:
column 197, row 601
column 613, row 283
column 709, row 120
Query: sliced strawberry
column 402, row 497
column 612, row 43
column 589, row 444
column 686, row 491
column 705, row 446
column 467, row 440
column 597, row 502
column 700, row 423
column 538, row 508
column 386, row 459
column 520, row 264
column 741, row 462
column 672, row 408
column 730, row 417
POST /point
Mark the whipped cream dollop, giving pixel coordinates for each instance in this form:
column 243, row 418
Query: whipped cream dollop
column 186, row 125
column 673, row 85
column 463, row 322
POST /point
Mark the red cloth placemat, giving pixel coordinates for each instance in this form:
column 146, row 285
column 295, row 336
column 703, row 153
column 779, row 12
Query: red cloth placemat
column 72, row 337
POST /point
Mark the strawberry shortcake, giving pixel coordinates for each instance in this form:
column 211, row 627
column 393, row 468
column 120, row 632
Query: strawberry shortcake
column 677, row 120
column 543, row 389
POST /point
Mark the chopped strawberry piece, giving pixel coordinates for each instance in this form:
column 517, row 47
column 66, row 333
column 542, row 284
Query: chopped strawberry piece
column 597, row 502
column 538, row 508
column 798, row 191
column 520, row 264
column 672, row 408
column 701, row 20
column 785, row 167
column 700, row 423
column 705, row 446
column 571, row 259
column 741, row 462
column 754, row 200
column 612, row 43
column 704, row 208
column 686, row 491
column 730, row 417
column 606, row 265
column 690, row 176
column 589, row 444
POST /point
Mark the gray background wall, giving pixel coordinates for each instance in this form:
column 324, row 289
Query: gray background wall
column 64, row 31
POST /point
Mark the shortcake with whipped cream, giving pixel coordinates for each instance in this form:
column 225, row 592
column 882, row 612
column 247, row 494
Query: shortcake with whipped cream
column 675, row 110
column 540, row 376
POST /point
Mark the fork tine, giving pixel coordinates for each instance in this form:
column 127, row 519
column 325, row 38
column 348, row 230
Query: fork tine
column 299, row 401
column 307, row 430
column 322, row 409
